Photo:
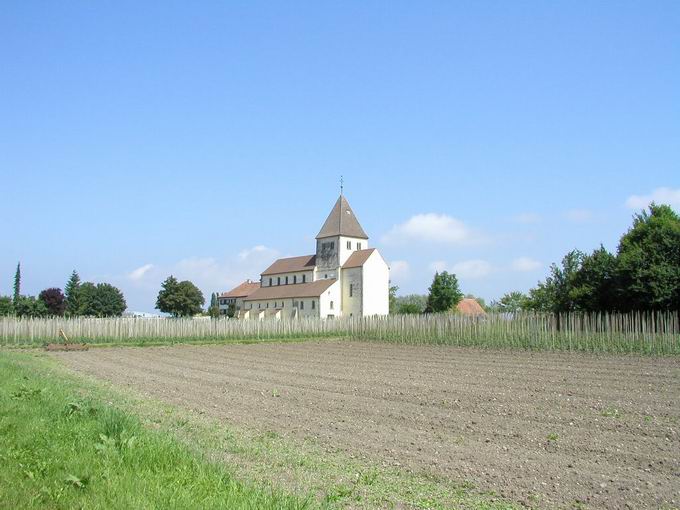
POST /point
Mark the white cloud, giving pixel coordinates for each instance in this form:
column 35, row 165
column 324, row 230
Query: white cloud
column 399, row 269
column 438, row 266
column 257, row 251
column 138, row 274
column 472, row 269
column 667, row 196
column 431, row 227
column 527, row 218
column 578, row 215
column 525, row 264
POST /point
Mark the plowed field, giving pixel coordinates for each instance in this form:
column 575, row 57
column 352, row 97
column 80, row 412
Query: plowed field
column 546, row 429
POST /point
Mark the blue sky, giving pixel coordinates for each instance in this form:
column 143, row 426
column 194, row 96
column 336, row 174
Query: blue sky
column 139, row 139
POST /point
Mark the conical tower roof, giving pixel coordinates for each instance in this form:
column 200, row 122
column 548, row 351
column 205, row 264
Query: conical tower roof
column 342, row 222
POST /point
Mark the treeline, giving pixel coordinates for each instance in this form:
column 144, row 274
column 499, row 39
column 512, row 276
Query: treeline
column 643, row 274
column 78, row 299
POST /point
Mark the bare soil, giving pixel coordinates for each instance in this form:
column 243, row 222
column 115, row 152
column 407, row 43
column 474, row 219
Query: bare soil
column 66, row 347
column 542, row 429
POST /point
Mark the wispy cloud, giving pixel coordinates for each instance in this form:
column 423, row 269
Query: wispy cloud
column 399, row 269
column 138, row 274
column 432, row 227
column 525, row 264
column 468, row 269
column 667, row 196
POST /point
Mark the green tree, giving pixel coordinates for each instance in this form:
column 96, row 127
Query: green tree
column 54, row 300
column 594, row 287
column 555, row 293
column 231, row 310
column 411, row 304
column 101, row 300
column 511, row 302
column 72, row 292
column 393, row 298
column 29, row 306
column 180, row 299
column 649, row 261
column 444, row 293
column 17, row 283
column 6, row 306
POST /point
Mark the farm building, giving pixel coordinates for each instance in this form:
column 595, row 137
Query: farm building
column 343, row 278
column 236, row 296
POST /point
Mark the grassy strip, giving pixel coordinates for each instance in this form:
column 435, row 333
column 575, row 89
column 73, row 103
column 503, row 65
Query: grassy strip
column 334, row 478
column 62, row 446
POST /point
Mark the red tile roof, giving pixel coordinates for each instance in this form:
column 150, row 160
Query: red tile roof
column 358, row 258
column 297, row 290
column 243, row 290
column 292, row 265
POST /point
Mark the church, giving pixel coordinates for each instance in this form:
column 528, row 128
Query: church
column 344, row 278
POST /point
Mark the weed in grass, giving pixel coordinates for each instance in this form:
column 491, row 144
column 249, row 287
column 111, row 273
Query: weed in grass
column 553, row 437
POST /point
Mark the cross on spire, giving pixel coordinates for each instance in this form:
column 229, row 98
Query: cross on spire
column 341, row 184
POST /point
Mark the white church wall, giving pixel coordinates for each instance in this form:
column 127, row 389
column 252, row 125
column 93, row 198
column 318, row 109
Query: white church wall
column 376, row 286
column 354, row 245
column 351, row 279
column 330, row 302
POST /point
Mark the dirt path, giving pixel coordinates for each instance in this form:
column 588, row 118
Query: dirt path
column 544, row 429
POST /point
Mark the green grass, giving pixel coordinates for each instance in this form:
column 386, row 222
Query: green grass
column 72, row 442
column 61, row 447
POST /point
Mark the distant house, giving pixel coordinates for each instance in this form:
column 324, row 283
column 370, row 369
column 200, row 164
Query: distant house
column 236, row 296
column 470, row 306
column 343, row 278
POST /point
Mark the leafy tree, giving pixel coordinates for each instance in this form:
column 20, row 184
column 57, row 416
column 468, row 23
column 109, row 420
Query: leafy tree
column 214, row 308
column 393, row 298
column 54, row 300
column 17, row 283
column 6, row 306
column 594, row 286
column 512, row 302
column 72, row 292
column 554, row 295
column 101, row 300
column 179, row 298
column 411, row 304
column 29, row 306
column 444, row 293
column 231, row 310
column 649, row 261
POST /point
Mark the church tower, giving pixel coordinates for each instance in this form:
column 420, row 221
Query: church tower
column 340, row 236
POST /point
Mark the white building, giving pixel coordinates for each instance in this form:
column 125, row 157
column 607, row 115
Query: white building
column 344, row 278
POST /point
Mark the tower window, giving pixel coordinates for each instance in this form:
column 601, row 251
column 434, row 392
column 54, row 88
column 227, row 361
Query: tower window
column 351, row 289
column 302, row 305
column 313, row 304
column 331, row 305
column 358, row 246
column 349, row 245
column 325, row 277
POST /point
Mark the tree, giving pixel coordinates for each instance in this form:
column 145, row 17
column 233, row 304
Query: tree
column 231, row 310
column 649, row 261
column 411, row 304
column 72, row 291
column 29, row 306
column 512, row 302
column 444, row 293
column 214, row 308
column 54, row 300
column 179, row 299
column 554, row 295
column 17, row 283
column 101, row 300
column 594, row 286
column 393, row 298
column 6, row 306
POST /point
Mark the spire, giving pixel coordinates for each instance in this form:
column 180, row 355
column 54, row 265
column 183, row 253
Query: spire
column 341, row 221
